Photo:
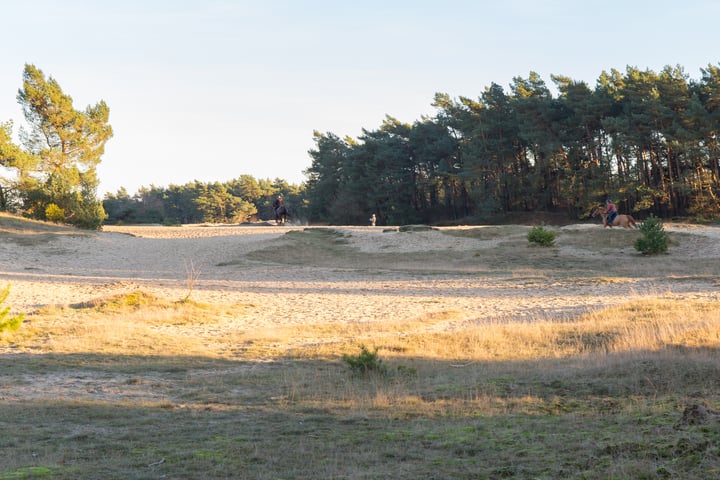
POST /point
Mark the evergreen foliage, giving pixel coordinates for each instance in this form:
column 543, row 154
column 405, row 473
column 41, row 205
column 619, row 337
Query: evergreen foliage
column 654, row 239
column 648, row 139
column 541, row 236
column 365, row 362
column 8, row 323
column 54, row 213
column 62, row 149
column 235, row 201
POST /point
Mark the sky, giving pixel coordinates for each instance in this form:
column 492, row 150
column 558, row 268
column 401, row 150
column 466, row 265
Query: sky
column 210, row 90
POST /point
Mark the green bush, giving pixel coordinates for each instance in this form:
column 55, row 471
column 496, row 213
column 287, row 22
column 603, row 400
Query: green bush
column 654, row 239
column 12, row 323
column 542, row 237
column 54, row 213
column 365, row 362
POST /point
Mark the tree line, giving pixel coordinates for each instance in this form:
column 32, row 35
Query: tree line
column 648, row 140
column 52, row 174
column 235, row 201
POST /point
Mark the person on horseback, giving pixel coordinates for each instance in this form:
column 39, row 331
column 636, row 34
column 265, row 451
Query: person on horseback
column 277, row 203
column 611, row 211
column 279, row 210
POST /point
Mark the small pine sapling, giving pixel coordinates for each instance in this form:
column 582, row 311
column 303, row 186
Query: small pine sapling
column 654, row 239
column 541, row 236
column 8, row 323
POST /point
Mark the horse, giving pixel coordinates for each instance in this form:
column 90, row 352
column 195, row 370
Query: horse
column 625, row 221
column 281, row 215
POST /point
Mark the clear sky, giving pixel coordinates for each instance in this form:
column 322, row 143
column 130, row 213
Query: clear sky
column 213, row 89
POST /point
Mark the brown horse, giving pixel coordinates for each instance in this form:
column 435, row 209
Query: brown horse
column 625, row 221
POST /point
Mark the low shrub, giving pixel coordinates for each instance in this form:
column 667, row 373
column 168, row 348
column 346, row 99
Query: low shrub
column 365, row 362
column 54, row 213
column 541, row 236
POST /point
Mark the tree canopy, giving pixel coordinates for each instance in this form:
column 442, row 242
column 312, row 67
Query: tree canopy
column 56, row 167
column 648, row 140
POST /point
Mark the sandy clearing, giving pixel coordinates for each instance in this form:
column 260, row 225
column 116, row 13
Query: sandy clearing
column 73, row 269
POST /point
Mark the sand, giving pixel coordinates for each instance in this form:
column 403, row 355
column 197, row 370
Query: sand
column 161, row 260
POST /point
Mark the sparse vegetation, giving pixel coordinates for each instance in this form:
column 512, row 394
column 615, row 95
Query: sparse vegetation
column 414, row 228
column 633, row 386
column 135, row 385
column 310, row 245
column 192, row 273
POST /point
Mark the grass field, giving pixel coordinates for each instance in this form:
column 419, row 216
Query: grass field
column 108, row 389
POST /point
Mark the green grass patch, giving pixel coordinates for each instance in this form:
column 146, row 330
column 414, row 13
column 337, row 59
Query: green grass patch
column 27, row 473
column 314, row 246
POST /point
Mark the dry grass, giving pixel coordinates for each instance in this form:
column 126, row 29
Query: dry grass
column 136, row 386
column 489, row 400
column 137, row 323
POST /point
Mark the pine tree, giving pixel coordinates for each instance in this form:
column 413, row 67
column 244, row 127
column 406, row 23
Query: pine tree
column 67, row 144
column 654, row 239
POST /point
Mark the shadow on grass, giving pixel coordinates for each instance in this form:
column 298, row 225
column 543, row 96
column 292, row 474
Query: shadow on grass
column 95, row 416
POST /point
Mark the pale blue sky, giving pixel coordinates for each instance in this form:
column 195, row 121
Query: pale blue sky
column 213, row 89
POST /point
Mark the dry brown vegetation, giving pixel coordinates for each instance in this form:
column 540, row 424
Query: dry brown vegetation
column 607, row 365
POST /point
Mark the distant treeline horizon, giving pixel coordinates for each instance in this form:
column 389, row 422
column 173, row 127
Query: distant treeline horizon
column 235, row 201
column 649, row 141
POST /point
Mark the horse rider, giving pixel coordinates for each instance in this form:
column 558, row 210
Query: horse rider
column 277, row 203
column 611, row 211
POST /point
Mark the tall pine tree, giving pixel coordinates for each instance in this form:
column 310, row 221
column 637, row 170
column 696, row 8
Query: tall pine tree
column 67, row 144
